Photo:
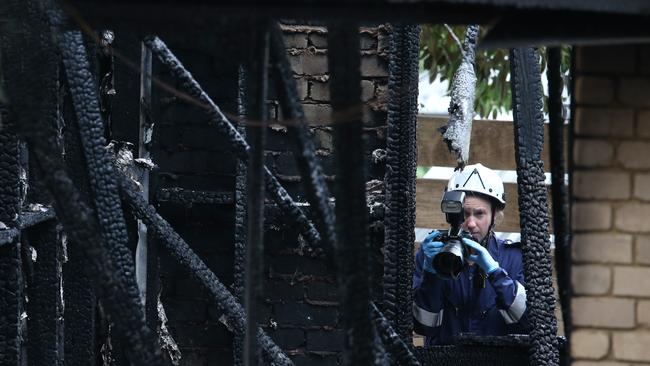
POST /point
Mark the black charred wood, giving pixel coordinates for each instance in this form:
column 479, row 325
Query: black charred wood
column 79, row 291
column 393, row 342
column 36, row 90
column 256, row 66
column 8, row 236
column 401, row 161
column 225, row 302
column 189, row 197
column 533, row 208
column 106, row 199
column 310, row 170
column 11, row 305
column 239, row 268
column 28, row 219
column 351, row 210
column 11, row 279
column 561, row 218
column 45, row 306
column 237, row 142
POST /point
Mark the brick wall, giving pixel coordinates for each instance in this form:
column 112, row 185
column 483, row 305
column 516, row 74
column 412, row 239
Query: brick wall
column 301, row 310
column 611, row 206
column 301, row 292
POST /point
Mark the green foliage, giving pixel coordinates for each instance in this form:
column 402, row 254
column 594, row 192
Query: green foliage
column 440, row 54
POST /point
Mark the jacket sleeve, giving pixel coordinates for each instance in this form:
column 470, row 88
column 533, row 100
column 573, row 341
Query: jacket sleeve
column 511, row 294
column 427, row 299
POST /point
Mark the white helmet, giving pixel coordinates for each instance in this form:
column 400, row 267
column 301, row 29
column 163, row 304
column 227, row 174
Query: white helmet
column 479, row 179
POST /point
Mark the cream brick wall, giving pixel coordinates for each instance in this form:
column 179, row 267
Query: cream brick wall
column 611, row 207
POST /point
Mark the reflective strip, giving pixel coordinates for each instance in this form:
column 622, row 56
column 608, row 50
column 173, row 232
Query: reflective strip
column 517, row 308
column 427, row 318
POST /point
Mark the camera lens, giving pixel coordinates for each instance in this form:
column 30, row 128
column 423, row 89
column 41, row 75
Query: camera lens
column 449, row 262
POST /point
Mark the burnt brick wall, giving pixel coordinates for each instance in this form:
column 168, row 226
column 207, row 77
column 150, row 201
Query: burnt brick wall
column 301, row 291
column 192, row 155
column 301, row 301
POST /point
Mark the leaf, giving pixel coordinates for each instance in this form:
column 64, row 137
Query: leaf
column 493, row 94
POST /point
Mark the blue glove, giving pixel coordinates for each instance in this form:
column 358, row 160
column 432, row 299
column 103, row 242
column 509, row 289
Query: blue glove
column 430, row 248
column 481, row 257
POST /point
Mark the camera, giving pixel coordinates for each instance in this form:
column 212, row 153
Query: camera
column 450, row 261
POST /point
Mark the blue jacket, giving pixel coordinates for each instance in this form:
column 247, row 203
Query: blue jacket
column 469, row 304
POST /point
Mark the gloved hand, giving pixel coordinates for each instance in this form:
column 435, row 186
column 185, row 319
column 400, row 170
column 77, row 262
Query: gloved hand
column 431, row 247
column 481, row 256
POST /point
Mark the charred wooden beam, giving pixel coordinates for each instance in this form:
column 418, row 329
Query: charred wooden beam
column 79, row 293
column 256, row 65
column 533, row 208
column 241, row 239
column 189, row 196
column 351, row 211
column 217, row 119
column 234, row 316
column 401, row 161
column 45, row 306
column 11, row 278
column 561, row 217
column 310, row 170
column 394, row 342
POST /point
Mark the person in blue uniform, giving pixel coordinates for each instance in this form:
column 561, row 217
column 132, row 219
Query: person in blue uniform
column 488, row 297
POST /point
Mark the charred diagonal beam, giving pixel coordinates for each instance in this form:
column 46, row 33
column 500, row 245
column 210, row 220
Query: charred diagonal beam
column 533, row 209
column 309, row 167
column 256, row 65
column 310, row 170
column 393, row 341
column 188, row 196
column 142, row 348
column 237, row 142
column 351, row 210
column 561, row 219
column 401, row 160
column 381, row 357
column 235, row 318
column 79, row 293
column 32, row 74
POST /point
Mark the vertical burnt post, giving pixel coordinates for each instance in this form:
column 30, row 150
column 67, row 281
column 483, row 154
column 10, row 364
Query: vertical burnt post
column 401, row 161
column 44, row 286
column 45, row 306
column 561, row 218
column 239, row 267
column 256, row 65
column 527, row 105
column 11, row 279
column 351, row 211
